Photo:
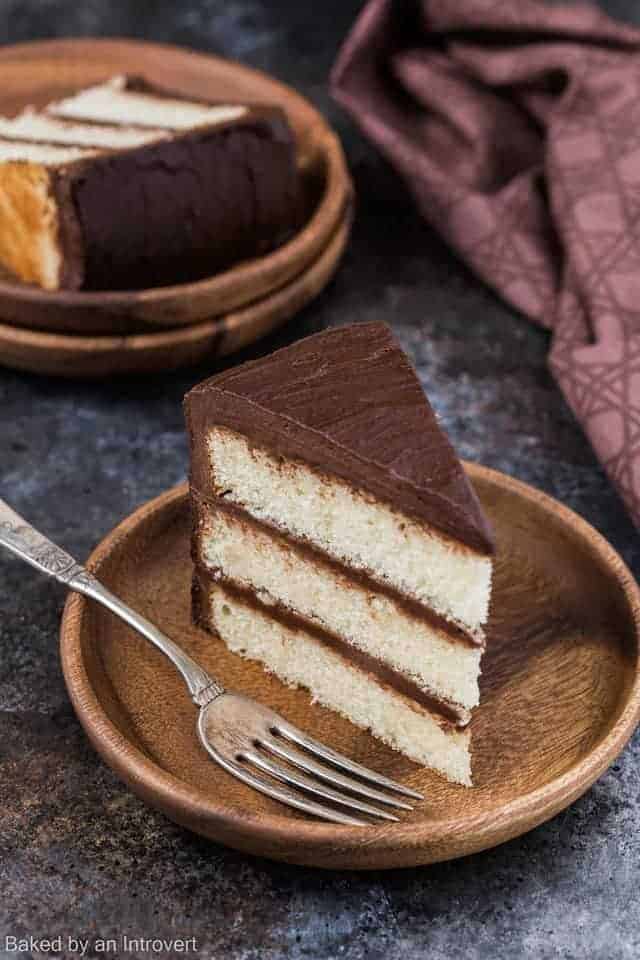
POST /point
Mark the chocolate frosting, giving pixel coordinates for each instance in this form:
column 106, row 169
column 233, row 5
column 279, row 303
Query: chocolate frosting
column 69, row 231
column 179, row 209
column 347, row 403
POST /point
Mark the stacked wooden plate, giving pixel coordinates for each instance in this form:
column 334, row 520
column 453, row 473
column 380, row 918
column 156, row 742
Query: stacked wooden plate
column 104, row 333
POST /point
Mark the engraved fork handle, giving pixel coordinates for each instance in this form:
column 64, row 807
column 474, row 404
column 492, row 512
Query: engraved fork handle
column 25, row 542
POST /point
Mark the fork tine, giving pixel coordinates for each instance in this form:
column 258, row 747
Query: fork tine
column 330, row 774
column 289, row 797
column 296, row 736
column 302, row 782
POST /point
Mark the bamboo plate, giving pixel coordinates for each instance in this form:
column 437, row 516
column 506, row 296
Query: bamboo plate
column 35, row 73
column 560, row 691
column 65, row 355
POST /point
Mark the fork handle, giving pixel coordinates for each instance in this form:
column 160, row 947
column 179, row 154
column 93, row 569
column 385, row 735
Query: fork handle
column 26, row 542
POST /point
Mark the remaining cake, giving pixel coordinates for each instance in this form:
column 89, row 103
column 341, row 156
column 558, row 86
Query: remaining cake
column 337, row 539
column 125, row 186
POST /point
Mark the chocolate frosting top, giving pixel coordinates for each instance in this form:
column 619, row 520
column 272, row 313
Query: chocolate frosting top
column 348, row 403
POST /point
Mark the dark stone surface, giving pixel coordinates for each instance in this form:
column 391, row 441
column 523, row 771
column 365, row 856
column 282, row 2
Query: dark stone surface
column 79, row 854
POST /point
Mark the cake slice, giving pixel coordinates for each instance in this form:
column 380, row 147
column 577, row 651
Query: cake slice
column 126, row 186
column 337, row 539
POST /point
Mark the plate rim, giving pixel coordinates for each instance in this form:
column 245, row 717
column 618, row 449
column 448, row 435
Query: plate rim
column 403, row 843
column 224, row 333
column 336, row 195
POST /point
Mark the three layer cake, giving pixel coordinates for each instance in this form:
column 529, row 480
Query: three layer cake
column 337, row 540
column 125, row 186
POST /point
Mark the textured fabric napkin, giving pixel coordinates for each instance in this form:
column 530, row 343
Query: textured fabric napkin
column 517, row 128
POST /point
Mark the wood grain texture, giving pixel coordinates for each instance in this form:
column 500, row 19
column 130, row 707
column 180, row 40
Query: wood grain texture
column 560, row 691
column 67, row 355
column 35, row 73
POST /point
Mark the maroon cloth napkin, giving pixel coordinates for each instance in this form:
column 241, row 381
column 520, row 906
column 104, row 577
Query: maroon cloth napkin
column 517, row 128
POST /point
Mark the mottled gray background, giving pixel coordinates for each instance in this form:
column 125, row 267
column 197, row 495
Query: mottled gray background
column 79, row 853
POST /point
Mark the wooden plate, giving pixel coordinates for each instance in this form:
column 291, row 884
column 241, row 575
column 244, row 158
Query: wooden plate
column 561, row 691
column 67, row 355
column 35, row 73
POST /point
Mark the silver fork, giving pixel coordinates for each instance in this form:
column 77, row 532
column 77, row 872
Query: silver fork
column 249, row 740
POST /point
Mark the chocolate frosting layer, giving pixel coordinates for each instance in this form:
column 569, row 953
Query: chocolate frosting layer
column 448, row 714
column 182, row 208
column 69, row 232
column 347, row 403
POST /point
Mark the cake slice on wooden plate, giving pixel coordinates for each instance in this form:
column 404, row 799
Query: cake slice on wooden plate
column 124, row 186
column 337, row 540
